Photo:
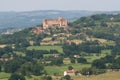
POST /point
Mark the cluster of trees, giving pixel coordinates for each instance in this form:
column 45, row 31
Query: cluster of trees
column 116, row 49
column 32, row 63
column 108, row 62
column 92, row 71
column 57, row 61
column 20, row 65
column 88, row 47
column 78, row 60
column 22, row 38
column 16, row 76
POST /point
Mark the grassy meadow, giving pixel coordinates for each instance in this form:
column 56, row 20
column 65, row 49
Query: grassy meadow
column 4, row 76
column 48, row 48
column 59, row 70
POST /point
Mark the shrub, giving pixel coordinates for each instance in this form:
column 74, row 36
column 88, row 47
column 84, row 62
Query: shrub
column 72, row 60
column 92, row 71
column 67, row 77
column 46, row 78
column 17, row 77
column 81, row 60
column 70, row 67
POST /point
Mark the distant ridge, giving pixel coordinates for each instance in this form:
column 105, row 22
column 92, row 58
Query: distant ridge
column 15, row 20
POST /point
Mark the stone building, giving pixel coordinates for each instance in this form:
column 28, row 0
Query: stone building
column 60, row 22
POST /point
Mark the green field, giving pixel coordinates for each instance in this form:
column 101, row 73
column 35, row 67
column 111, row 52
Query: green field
column 105, row 76
column 90, row 59
column 4, row 76
column 48, row 48
column 105, row 52
column 59, row 70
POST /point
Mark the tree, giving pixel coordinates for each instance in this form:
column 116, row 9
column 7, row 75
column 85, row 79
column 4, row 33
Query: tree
column 109, row 59
column 17, row 77
column 92, row 70
column 67, row 77
column 86, row 71
column 70, row 67
column 12, row 66
column 8, row 49
column 32, row 68
column 25, row 68
column 81, row 60
column 70, row 49
column 116, row 50
column 116, row 64
column 0, row 67
column 103, row 24
column 57, row 61
column 99, row 63
column 53, row 51
column 72, row 60
column 47, row 78
column 37, row 69
column 25, row 43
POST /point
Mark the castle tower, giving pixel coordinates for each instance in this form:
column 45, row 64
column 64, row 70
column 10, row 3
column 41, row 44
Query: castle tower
column 54, row 22
column 60, row 20
column 45, row 24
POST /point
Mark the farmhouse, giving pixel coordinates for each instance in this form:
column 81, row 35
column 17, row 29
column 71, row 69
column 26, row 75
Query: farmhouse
column 60, row 22
column 69, row 72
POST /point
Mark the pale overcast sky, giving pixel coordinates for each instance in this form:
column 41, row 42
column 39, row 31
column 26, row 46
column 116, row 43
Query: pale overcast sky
column 28, row 5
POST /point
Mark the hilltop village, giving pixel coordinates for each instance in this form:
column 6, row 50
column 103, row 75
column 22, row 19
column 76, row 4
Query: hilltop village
column 51, row 23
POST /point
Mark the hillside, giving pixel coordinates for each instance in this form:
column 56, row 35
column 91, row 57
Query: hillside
column 102, row 27
column 88, row 46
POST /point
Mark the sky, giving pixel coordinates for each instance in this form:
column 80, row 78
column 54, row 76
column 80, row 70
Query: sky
column 30, row 5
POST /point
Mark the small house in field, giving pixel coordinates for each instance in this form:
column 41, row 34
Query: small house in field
column 69, row 72
column 76, row 56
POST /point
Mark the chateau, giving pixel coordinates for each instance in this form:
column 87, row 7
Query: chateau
column 60, row 22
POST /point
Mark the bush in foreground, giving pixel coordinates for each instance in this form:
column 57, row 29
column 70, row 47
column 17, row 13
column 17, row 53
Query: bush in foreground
column 17, row 77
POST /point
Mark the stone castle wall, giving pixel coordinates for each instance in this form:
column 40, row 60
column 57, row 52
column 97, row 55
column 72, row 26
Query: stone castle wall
column 60, row 22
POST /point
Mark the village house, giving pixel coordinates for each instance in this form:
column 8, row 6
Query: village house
column 38, row 30
column 76, row 56
column 72, row 72
column 69, row 72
